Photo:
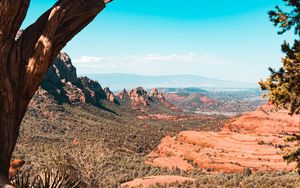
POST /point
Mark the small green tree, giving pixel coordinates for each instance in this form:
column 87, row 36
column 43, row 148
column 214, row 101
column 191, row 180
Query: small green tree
column 284, row 84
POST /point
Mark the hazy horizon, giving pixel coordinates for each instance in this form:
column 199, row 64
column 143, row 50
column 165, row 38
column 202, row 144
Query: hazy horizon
column 119, row 81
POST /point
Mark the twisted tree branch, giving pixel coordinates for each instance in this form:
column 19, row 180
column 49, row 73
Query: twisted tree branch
column 12, row 14
column 44, row 39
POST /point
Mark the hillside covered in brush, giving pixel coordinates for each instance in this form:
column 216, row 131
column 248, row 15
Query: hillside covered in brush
column 103, row 138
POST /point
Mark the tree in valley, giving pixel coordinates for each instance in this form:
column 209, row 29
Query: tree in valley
column 284, row 84
column 26, row 58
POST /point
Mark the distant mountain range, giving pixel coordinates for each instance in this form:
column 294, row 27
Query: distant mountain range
column 118, row 81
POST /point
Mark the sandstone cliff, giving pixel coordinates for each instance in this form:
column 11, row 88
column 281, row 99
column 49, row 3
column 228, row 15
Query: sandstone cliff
column 62, row 83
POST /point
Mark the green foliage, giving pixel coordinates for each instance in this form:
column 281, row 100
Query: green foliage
column 102, row 148
column 287, row 20
column 284, row 85
column 261, row 180
column 292, row 153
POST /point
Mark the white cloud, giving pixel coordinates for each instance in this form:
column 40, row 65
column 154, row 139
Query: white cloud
column 151, row 64
column 151, row 58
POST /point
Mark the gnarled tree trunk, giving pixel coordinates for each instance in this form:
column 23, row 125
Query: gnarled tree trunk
column 24, row 60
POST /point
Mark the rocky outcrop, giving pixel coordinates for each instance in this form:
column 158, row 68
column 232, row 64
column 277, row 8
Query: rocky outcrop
column 110, row 95
column 123, row 95
column 62, row 83
column 139, row 97
column 162, row 99
column 93, row 87
column 156, row 94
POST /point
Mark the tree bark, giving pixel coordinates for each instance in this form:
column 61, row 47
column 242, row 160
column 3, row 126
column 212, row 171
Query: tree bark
column 25, row 60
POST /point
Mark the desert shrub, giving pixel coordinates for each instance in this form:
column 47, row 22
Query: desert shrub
column 46, row 179
column 261, row 180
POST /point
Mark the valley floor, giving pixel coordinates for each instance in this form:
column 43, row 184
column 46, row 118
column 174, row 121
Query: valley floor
column 105, row 149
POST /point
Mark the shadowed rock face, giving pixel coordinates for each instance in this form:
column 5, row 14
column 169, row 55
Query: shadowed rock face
column 94, row 87
column 110, row 95
column 123, row 95
column 61, row 81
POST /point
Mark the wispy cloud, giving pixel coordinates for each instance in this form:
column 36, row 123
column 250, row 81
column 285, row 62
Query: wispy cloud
column 143, row 64
column 151, row 58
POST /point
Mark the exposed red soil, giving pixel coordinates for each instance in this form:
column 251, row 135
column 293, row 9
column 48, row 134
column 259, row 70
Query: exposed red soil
column 153, row 180
column 245, row 142
column 168, row 117
column 174, row 97
column 207, row 100
column 15, row 165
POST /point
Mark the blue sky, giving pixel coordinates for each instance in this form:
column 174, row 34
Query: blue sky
column 225, row 39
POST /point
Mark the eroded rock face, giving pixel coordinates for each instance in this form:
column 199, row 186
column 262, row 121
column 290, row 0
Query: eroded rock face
column 61, row 81
column 94, row 87
column 245, row 142
column 110, row 95
column 139, row 97
column 65, row 69
column 123, row 95
column 162, row 99
column 155, row 93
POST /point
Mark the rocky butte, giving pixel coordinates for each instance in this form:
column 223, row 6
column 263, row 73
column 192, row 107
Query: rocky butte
column 62, row 83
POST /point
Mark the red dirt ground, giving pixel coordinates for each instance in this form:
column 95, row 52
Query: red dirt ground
column 153, row 180
column 167, row 117
column 245, row 142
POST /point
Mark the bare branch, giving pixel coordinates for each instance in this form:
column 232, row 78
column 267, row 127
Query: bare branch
column 107, row 1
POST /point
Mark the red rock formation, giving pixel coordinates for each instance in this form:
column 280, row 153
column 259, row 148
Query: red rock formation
column 123, row 95
column 139, row 97
column 246, row 142
column 61, row 81
column 154, row 93
column 109, row 95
